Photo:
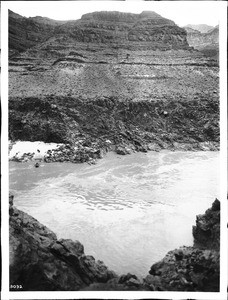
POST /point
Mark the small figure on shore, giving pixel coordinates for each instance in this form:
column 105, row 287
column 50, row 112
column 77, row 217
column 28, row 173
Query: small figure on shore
column 37, row 165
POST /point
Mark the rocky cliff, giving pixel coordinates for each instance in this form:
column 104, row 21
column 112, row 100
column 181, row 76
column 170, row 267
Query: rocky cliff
column 206, row 233
column 120, row 29
column 194, row 268
column 41, row 262
column 131, row 79
column 206, row 42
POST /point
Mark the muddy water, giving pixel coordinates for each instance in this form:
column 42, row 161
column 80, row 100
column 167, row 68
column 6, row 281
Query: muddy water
column 128, row 211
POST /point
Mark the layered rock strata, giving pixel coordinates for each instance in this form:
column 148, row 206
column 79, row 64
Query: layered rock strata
column 116, row 28
column 129, row 79
column 41, row 262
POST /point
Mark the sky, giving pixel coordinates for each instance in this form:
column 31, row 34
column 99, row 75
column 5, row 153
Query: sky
column 181, row 12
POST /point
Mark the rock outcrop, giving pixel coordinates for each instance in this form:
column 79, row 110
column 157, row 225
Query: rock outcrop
column 194, row 268
column 41, row 262
column 207, row 42
column 114, row 28
column 186, row 269
column 206, row 233
column 131, row 79
column 128, row 126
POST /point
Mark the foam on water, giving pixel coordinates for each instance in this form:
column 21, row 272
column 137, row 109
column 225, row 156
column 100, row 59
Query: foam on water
column 128, row 211
column 21, row 147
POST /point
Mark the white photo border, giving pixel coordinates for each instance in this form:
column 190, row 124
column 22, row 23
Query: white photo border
column 6, row 294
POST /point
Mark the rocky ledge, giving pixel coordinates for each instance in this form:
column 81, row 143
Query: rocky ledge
column 192, row 268
column 41, row 262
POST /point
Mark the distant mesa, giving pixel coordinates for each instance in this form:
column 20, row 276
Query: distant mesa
column 203, row 28
column 147, row 29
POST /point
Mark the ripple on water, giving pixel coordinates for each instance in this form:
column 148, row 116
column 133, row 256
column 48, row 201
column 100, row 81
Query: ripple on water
column 127, row 212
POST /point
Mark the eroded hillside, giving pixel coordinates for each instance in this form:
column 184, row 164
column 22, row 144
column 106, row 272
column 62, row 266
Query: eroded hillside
column 128, row 78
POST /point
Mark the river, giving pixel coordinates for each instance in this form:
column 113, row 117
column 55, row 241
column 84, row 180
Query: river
column 127, row 211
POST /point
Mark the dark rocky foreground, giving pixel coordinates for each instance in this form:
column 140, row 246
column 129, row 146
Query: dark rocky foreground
column 41, row 262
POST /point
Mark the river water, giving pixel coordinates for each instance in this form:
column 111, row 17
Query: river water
column 127, row 211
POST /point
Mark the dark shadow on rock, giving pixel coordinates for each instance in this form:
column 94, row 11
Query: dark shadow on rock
column 41, row 262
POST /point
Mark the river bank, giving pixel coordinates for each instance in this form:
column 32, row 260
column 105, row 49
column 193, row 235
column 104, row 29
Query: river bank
column 150, row 194
column 86, row 129
column 90, row 152
column 93, row 90
column 39, row 261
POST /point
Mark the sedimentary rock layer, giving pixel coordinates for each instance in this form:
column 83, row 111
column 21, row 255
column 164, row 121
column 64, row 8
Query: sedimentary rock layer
column 117, row 28
column 131, row 79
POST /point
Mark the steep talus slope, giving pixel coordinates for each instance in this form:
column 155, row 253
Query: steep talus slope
column 140, row 125
column 128, row 78
column 41, row 262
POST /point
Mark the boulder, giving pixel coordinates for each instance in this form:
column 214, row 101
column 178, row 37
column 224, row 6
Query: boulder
column 186, row 269
column 194, row 268
column 206, row 232
column 123, row 150
column 41, row 262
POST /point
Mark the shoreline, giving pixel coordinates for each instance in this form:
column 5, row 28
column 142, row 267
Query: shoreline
column 88, row 128
column 23, row 151
column 87, row 190
column 62, row 264
column 86, row 88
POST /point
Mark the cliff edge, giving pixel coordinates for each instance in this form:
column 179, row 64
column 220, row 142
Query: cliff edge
column 41, row 262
